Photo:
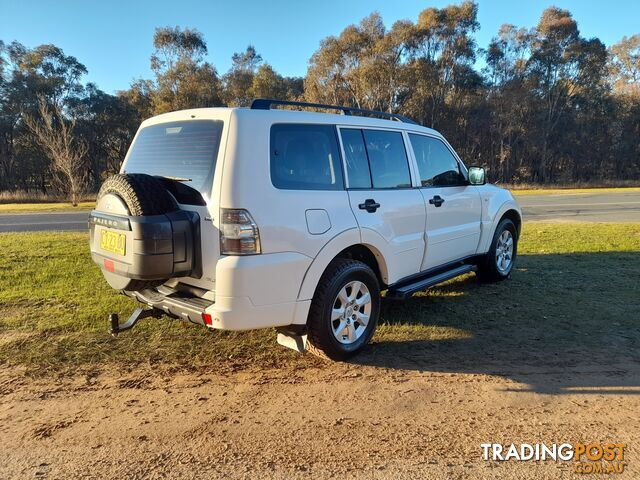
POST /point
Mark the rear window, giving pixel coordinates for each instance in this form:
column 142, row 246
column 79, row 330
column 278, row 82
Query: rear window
column 178, row 149
column 305, row 157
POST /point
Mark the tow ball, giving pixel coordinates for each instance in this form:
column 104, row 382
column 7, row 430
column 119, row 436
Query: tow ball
column 138, row 314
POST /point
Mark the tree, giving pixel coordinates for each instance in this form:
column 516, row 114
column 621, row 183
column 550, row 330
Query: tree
column 508, row 97
column 183, row 79
column 56, row 135
column 28, row 75
column 238, row 81
column 564, row 65
column 624, row 66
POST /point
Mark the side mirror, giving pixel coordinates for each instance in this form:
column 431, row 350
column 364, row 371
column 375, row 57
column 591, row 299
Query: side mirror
column 477, row 176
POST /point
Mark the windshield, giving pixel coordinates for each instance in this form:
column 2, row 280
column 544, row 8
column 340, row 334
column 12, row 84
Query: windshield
column 182, row 150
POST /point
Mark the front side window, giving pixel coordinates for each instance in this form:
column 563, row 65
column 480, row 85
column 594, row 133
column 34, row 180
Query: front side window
column 305, row 157
column 186, row 150
column 436, row 164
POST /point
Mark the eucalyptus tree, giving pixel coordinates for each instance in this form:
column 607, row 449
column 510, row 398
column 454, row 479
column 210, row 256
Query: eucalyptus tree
column 183, row 78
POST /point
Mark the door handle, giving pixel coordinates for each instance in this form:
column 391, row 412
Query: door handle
column 370, row 205
column 437, row 200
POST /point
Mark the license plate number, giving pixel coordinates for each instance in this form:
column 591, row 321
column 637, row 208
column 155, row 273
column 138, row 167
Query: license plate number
column 113, row 242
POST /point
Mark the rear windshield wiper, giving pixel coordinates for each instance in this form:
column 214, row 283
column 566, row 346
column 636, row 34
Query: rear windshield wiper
column 177, row 179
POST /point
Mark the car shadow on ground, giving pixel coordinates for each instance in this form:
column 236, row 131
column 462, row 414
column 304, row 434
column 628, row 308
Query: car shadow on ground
column 561, row 323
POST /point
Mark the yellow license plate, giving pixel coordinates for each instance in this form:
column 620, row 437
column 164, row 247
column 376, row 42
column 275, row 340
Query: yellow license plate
column 113, row 242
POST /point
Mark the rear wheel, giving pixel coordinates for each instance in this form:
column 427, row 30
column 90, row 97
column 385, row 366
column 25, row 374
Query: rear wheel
column 498, row 262
column 344, row 311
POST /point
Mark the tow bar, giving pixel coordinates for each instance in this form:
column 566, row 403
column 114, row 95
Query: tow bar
column 138, row 314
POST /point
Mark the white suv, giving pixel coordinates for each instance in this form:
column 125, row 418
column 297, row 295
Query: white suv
column 243, row 218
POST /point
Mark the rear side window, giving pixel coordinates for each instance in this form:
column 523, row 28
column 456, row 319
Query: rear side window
column 436, row 164
column 387, row 159
column 305, row 157
column 185, row 149
column 375, row 159
column 356, row 158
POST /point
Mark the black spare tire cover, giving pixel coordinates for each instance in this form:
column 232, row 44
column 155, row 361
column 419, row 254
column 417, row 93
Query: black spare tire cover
column 133, row 194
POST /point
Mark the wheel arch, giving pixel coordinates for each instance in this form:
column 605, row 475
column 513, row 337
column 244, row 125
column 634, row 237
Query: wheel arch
column 345, row 245
column 493, row 214
column 513, row 215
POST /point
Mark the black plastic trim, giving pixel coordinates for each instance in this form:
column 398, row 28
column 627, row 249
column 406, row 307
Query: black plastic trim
column 428, row 280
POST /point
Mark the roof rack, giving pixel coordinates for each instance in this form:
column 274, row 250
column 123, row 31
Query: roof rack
column 267, row 103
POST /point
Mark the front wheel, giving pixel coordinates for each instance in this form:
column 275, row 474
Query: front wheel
column 498, row 262
column 344, row 311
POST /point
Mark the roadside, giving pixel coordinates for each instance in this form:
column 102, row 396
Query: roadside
column 518, row 191
column 44, row 207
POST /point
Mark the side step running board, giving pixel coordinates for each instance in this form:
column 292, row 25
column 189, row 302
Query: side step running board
column 403, row 291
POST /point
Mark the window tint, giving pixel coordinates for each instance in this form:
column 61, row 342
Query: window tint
column 305, row 157
column 436, row 164
column 178, row 149
column 387, row 159
column 356, row 159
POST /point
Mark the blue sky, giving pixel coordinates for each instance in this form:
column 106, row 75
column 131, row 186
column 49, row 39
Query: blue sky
column 114, row 38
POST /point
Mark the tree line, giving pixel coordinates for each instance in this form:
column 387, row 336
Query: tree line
column 547, row 105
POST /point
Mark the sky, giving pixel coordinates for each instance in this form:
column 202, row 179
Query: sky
column 113, row 38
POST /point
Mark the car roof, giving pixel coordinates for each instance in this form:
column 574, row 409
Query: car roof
column 289, row 116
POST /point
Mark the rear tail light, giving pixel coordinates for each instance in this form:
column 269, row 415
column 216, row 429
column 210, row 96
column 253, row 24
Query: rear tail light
column 239, row 234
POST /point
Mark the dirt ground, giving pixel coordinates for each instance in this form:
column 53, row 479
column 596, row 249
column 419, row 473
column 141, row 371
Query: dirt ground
column 391, row 415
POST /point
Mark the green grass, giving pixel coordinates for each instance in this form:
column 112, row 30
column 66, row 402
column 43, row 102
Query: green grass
column 44, row 207
column 570, row 279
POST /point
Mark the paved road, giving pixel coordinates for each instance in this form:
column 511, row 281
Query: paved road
column 582, row 207
column 49, row 221
column 585, row 207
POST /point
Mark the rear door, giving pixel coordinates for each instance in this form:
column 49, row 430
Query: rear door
column 389, row 211
column 453, row 206
column 188, row 150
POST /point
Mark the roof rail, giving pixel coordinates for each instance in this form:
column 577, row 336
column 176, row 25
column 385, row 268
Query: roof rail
column 267, row 103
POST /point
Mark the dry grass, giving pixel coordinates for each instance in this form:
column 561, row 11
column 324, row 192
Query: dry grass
column 574, row 187
column 29, row 197
column 44, row 207
column 573, row 191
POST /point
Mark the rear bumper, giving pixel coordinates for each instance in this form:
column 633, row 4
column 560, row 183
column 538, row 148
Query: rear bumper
column 258, row 291
column 238, row 313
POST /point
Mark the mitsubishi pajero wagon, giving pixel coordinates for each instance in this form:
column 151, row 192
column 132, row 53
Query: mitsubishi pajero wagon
column 263, row 217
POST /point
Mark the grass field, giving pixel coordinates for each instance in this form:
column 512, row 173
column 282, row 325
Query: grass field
column 571, row 282
column 44, row 207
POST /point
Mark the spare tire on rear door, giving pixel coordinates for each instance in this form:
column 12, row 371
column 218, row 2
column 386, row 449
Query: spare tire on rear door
column 139, row 236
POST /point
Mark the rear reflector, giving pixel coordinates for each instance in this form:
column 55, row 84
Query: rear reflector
column 108, row 264
column 207, row 319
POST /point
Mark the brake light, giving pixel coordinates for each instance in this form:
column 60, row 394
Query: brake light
column 239, row 234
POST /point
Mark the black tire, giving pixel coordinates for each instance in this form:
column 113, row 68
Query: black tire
column 488, row 268
column 143, row 195
column 321, row 339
